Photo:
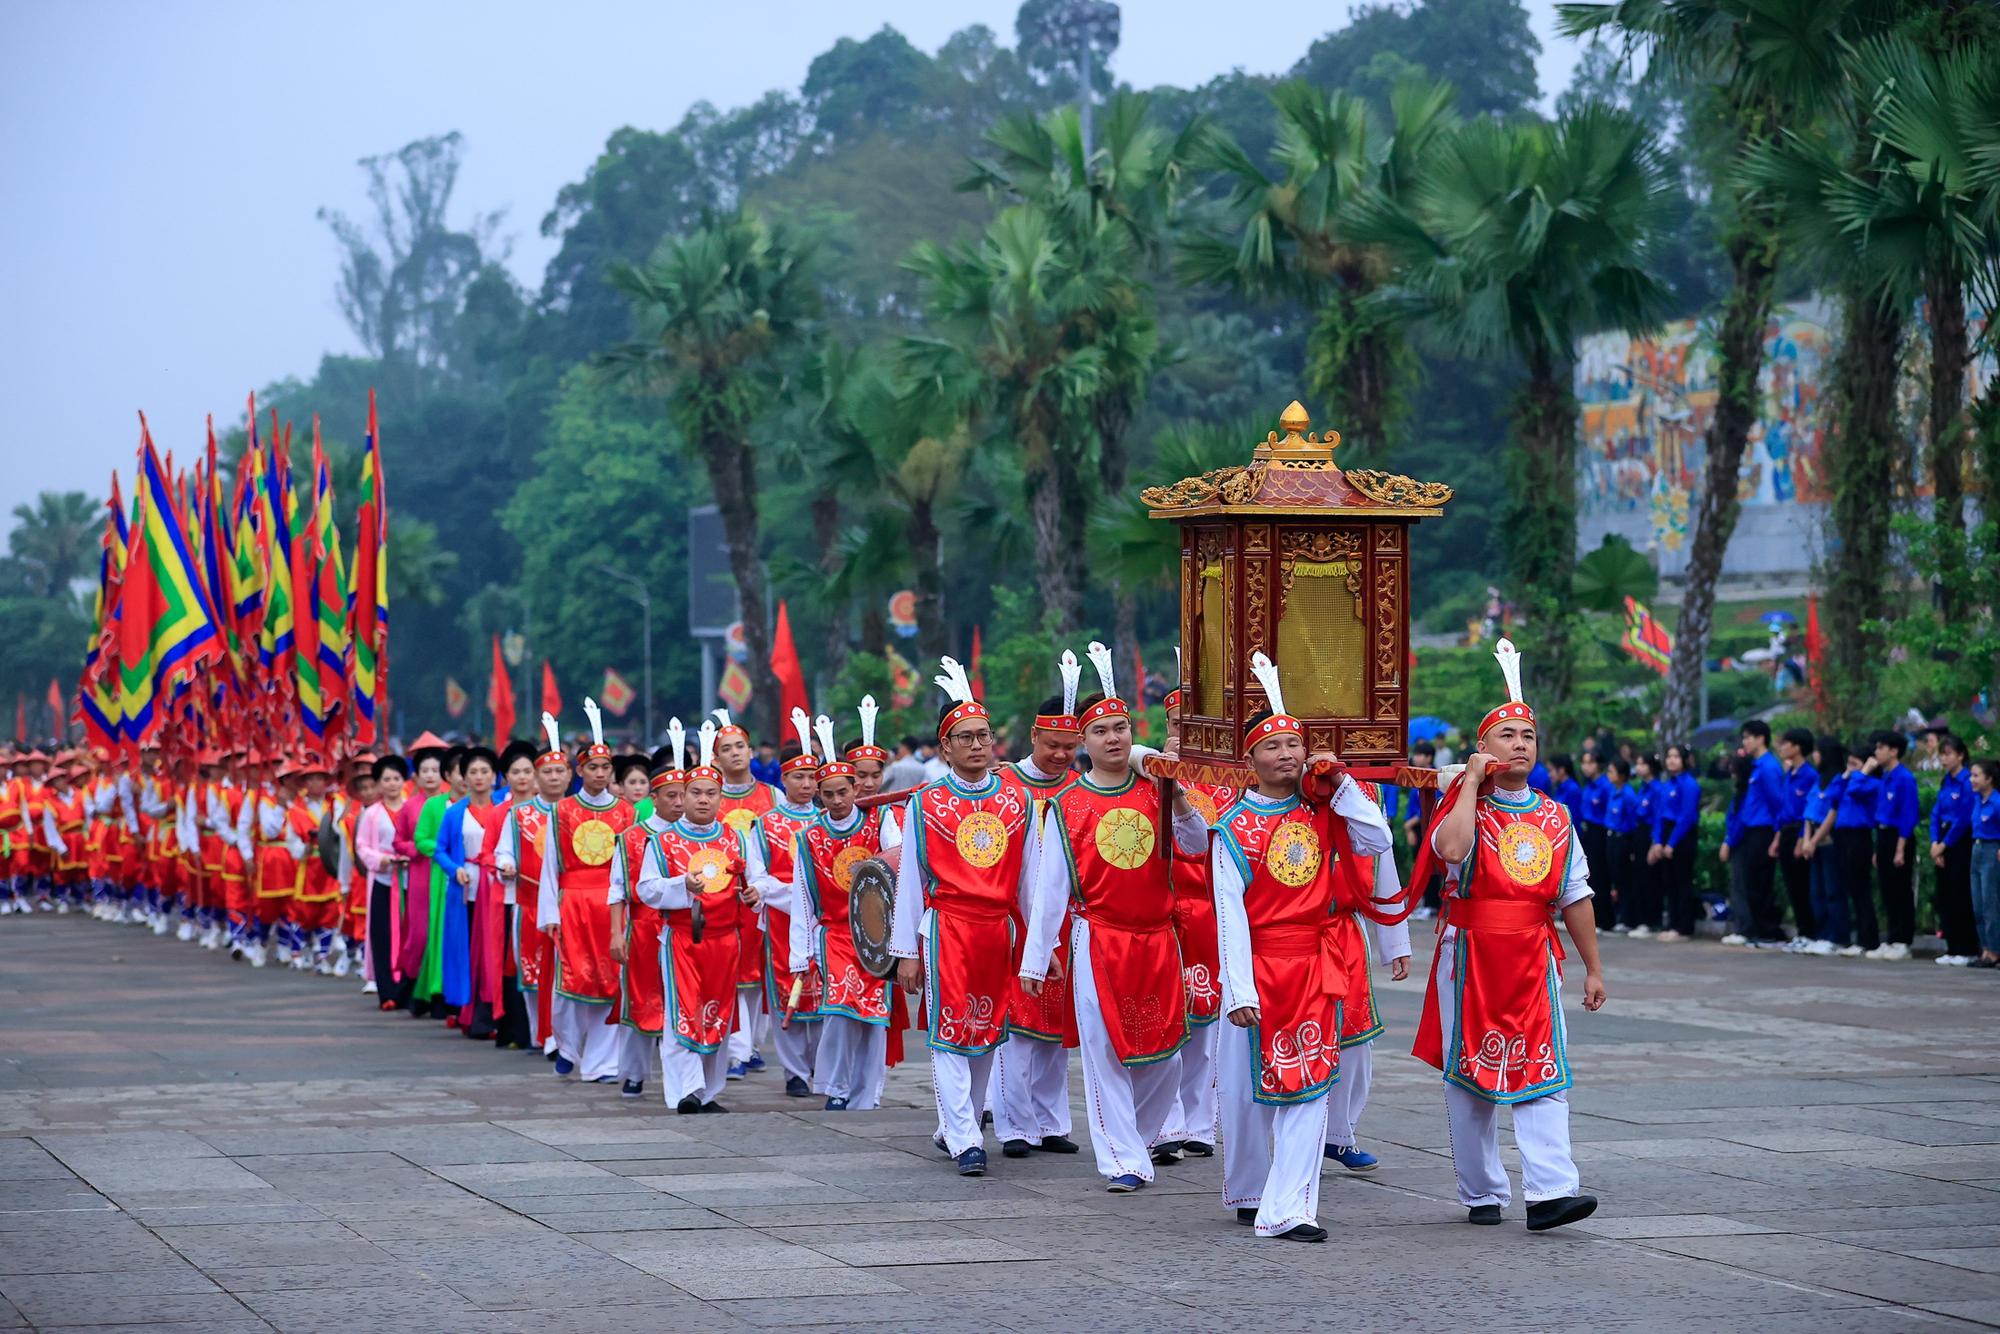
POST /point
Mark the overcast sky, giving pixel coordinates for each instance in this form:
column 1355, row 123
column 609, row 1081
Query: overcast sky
column 164, row 163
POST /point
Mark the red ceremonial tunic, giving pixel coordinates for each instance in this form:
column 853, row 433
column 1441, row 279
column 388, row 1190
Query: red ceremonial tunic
column 98, row 842
column 777, row 831
column 826, row 878
column 531, row 840
column 970, row 843
column 315, row 884
column 701, row 975
column 740, row 811
column 14, row 809
column 585, row 839
column 357, row 890
column 71, row 863
column 1051, row 1016
column 276, row 873
column 221, row 860
column 1295, row 956
column 1194, row 910
column 1508, row 1043
column 642, row 995
column 34, row 801
column 1360, row 1021
column 1122, row 886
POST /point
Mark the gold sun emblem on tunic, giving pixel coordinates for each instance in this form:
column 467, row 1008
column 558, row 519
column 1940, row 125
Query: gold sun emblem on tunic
column 1293, row 855
column 740, row 819
column 1124, row 838
column 844, row 863
column 1525, row 853
column 594, row 841
column 982, row 839
column 1203, row 804
column 712, row 865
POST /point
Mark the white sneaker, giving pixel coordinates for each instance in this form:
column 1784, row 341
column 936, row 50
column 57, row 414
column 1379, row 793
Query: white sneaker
column 1736, row 938
column 1896, row 953
column 340, row 966
column 1822, row 947
column 368, row 988
column 1670, row 935
column 212, row 938
column 62, row 909
column 1642, row 932
column 256, row 956
column 186, row 931
column 1622, row 929
column 1954, row 960
column 1849, row 951
column 284, row 953
column 303, row 963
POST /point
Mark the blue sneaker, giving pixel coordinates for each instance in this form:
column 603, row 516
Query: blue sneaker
column 1124, row 1183
column 738, row 1070
column 564, row 1067
column 972, row 1163
column 1354, row 1160
column 633, row 1088
column 755, row 1063
column 836, row 1104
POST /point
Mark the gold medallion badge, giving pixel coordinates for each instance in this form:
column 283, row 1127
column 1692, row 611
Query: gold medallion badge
column 1525, row 853
column 844, row 863
column 982, row 839
column 594, row 841
column 740, row 819
column 1293, row 854
column 712, row 865
column 1124, row 838
column 1203, row 804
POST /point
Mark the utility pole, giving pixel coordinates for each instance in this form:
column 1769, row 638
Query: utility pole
column 644, row 597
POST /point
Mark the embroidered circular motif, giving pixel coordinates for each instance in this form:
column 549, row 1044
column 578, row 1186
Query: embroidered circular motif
column 1293, row 853
column 981, row 839
column 1525, row 854
column 593, row 842
column 740, row 819
column 844, row 863
column 1203, row 804
column 712, row 865
column 1124, row 838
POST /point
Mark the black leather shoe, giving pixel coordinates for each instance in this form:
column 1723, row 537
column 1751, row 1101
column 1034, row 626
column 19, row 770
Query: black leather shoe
column 1015, row 1148
column 1483, row 1215
column 712, row 1108
column 972, row 1163
column 633, row 1088
column 797, row 1088
column 1194, row 1148
column 1303, row 1232
column 1166, row 1154
column 1247, row 1217
column 1057, row 1144
column 688, row 1106
column 1545, row 1214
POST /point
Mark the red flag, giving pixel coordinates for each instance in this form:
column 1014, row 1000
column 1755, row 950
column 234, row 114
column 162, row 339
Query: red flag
column 58, row 711
column 785, row 665
column 500, row 699
column 551, row 697
column 1815, row 649
column 978, row 679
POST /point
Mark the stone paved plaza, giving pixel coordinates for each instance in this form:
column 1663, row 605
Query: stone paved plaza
column 1779, row 1143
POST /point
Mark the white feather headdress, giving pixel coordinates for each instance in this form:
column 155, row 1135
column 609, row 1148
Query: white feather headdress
column 1266, row 673
column 1100, row 658
column 867, row 712
column 554, row 735
column 824, row 726
column 722, row 717
column 1510, row 669
column 677, row 737
column 1072, row 672
column 952, row 679
column 707, row 743
column 802, row 725
column 596, row 716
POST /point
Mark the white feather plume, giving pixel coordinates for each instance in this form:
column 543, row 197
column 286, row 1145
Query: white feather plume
column 802, row 725
column 1510, row 668
column 956, row 685
column 549, row 726
column 677, row 736
column 1178, row 669
column 824, row 726
column 722, row 717
column 591, row 711
column 1266, row 673
column 867, row 712
column 1071, row 671
column 1100, row 658
column 708, row 743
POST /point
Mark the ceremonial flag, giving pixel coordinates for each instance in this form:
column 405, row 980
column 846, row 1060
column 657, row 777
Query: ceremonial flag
column 1645, row 638
column 455, row 698
column 617, row 694
column 551, row 697
column 246, row 547
column 368, row 622
column 58, row 713
column 166, row 628
column 787, row 668
column 274, row 511
column 734, row 688
column 330, row 595
column 302, row 521
column 500, row 699
column 97, row 692
column 978, row 677
column 1815, row 648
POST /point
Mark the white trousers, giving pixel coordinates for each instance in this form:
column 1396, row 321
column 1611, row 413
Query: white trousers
column 958, row 1082
column 1030, row 1092
column 1193, row 1117
column 1349, row 1095
column 749, row 1015
column 1541, row 1132
column 1127, row 1104
column 797, row 1046
column 635, row 1053
column 1270, row 1155
column 685, row 1073
column 583, row 1037
column 852, row 1061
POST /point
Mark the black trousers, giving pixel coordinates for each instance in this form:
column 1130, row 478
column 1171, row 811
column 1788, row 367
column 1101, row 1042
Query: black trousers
column 1899, row 891
column 1855, row 848
column 1641, row 884
column 1797, row 873
column 1955, row 919
column 1677, row 884
column 1603, row 874
column 382, row 946
column 1759, row 873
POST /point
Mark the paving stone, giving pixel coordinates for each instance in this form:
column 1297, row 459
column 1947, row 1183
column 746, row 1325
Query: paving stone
column 38, row 1290
column 83, row 1305
column 667, row 1217
column 789, row 1282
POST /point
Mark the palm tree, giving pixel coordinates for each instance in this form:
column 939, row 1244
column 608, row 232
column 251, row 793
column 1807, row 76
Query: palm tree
column 1291, row 240
column 720, row 308
column 55, row 542
column 1518, row 239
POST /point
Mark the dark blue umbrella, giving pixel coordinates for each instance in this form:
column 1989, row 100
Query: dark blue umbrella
column 1428, row 728
column 1776, row 618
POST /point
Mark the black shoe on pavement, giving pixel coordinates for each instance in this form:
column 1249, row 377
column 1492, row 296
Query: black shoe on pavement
column 1303, row 1232
column 797, row 1088
column 972, row 1163
column 986, row 1120
column 1057, row 1144
column 1166, row 1153
column 1015, row 1148
column 1194, row 1148
column 633, row 1088
column 1247, row 1217
column 688, row 1106
column 1484, row 1215
column 1545, row 1214
column 712, row 1108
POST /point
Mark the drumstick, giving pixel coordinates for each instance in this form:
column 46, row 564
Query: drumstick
column 792, row 1001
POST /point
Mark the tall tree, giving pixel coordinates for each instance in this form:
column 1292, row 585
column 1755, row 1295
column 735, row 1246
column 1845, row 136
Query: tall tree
column 1484, row 48
column 1070, row 41
column 721, row 309
column 1518, row 239
column 54, row 543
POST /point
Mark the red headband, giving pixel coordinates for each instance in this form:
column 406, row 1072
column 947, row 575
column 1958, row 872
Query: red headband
column 798, row 764
column 727, row 728
column 708, row 771
column 1109, row 707
column 1057, row 722
column 668, row 778
column 1515, row 712
column 972, row 708
column 867, row 753
column 1278, row 724
column 552, row 757
column 836, row 769
column 1173, row 699
column 597, row 750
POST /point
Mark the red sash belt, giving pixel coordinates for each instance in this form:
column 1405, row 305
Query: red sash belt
column 1319, row 942
column 1506, row 917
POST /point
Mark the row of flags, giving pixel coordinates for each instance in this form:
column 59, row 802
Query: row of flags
column 231, row 617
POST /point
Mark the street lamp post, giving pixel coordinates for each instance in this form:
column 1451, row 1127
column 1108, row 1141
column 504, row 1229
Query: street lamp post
column 644, row 598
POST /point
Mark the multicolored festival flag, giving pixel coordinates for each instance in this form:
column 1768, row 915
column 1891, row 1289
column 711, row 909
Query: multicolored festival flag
column 368, row 617
column 166, row 626
column 1645, row 638
column 455, row 698
column 618, row 694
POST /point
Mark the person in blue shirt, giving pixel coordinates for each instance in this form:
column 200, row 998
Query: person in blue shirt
column 1732, row 839
column 1829, row 900
column 1562, row 773
column 1676, row 822
column 1621, row 819
column 1951, row 853
column 1594, row 835
column 1764, row 801
column 1854, row 852
column 1647, row 795
column 1895, row 825
column 1538, row 779
column 1801, row 781
column 1986, row 859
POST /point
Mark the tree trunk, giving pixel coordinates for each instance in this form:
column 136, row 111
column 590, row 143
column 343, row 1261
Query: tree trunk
column 1541, row 528
column 1125, row 639
column 1053, row 580
column 1753, row 260
column 826, row 535
column 1861, row 459
column 1944, row 301
column 927, row 555
column 732, row 475
column 1350, row 363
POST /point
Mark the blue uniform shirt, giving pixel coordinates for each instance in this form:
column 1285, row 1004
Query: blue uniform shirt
column 1570, row 793
column 1951, row 813
column 1896, row 808
column 1986, row 817
column 1538, row 779
column 1680, row 813
column 1764, row 802
column 1732, row 823
column 1622, row 816
column 1800, row 784
column 1597, row 801
column 1855, row 807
